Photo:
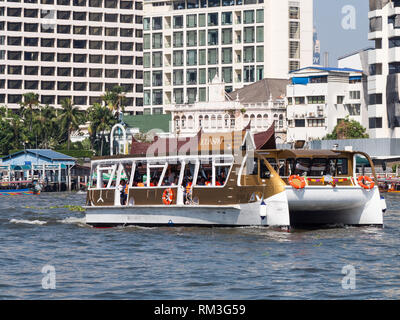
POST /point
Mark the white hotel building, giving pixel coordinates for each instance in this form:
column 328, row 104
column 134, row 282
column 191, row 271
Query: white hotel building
column 71, row 48
column 384, row 69
column 187, row 42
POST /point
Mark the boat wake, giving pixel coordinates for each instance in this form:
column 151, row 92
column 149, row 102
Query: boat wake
column 38, row 222
column 73, row 220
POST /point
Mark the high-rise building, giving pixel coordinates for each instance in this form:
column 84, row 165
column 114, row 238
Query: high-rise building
column 384, row 69
column 71, row 48
column 317, row 49
column 187, row 42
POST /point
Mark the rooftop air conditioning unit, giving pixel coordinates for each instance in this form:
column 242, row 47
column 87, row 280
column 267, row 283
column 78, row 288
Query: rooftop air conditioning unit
column 311, row 114
column 319, row 108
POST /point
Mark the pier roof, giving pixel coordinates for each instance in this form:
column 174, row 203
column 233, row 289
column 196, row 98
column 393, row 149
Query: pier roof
column 38, row 156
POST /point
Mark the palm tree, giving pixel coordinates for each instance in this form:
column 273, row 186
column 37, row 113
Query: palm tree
column 70, row 118
column 101, row 120
column 30, row 101
column 114, row 100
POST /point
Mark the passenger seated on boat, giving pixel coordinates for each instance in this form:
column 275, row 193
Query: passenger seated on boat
column 201, row 181
column 153, row 182
column 188, row 189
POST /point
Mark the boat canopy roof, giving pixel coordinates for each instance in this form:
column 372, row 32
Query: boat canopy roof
column 297, row 153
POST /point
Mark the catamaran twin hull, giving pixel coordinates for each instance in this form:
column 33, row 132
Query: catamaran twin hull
column 316, row 206
column 255, row 196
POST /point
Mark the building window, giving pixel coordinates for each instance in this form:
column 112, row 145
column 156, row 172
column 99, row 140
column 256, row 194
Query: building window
column 355, row 95
column 191, row 77
column 178, row 22
column 191, row 21
column 226, row 18
column 294, row 13
column 248, row 72
column 157, row 23
column 375, row 98
column 316, row 99
column 178, row 58
column 178, row 39
column 191, row 58
column 212, row 37
column 191, row 38
column 212, row 56
column 375, row 123
column 157, row 59
column 248, row 16
column 157, row 97
column 157, row 78
column 301, row 123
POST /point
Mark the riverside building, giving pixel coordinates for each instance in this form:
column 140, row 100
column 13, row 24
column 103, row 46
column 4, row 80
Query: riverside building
column 71, row 48
column 384, row 69
column 318, row 98
column 188, row 42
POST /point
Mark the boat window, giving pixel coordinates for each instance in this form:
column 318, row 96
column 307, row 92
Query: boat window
column 264, row 171
column 126, row 172
column 188, row 174
column 272, row 162
column 222, row 172
column 171, row 177
column 342, row 166
column 290, row 166
column 303, row 166
column 140, row 178
column 319, row 167
column 155, row 175
column 282, row 167
column 204, row 177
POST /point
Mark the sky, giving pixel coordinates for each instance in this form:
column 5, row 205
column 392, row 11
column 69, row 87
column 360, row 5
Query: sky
column 339, row 33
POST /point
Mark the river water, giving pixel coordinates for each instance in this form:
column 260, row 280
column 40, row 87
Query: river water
column 47, row 252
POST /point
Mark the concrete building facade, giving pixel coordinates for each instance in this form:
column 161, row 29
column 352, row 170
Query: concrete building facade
column 384, row 69
column 71, row 48
column 187, row 42
column 318, row 98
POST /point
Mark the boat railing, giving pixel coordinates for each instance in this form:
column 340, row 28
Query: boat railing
column 321, row 180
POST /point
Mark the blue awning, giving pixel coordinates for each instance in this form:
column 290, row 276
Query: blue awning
column 300, row 80
column 355, row 78
column 20, row 167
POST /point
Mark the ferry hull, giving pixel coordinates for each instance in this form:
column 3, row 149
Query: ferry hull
column 270, row 212
column 341, row 205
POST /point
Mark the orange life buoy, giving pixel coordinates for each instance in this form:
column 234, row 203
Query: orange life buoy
column 168, row 196
column 297, row 177
column 362, row 184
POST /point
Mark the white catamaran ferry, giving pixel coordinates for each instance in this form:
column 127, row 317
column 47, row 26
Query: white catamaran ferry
column 239, row 183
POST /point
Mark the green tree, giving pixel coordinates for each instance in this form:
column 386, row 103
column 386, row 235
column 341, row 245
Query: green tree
column 70, row 119
column 101, row 120
column 347, row 129
column 46, row 127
